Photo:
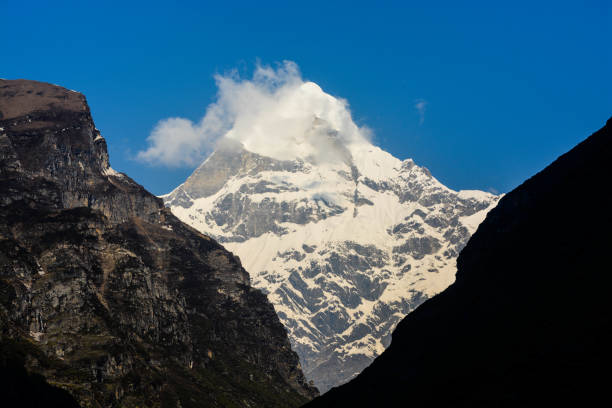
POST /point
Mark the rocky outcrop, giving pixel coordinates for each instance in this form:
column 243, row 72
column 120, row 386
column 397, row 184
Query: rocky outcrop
column 528, row 321
column 105, row 293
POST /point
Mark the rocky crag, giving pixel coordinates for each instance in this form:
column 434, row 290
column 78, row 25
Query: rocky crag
column 108, row 296
column 345, row 238
column 528, row 321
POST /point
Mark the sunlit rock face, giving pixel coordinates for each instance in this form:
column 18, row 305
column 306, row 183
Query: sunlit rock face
column 108, row 295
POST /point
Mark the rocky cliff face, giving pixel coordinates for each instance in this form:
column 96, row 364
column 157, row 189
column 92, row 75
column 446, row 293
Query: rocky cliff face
column 528, row 321
column 108, row 295
column 346, row 239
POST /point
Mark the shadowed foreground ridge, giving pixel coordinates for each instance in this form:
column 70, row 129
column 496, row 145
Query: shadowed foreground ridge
column 528, row 321
column 106, row 299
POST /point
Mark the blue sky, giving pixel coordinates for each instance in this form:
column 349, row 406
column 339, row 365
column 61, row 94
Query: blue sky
column 506, row 88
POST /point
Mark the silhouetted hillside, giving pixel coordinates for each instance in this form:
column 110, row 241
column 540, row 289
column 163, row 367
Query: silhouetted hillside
column 528, row 321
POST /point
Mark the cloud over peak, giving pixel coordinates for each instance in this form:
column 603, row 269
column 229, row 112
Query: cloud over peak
column 275, row 113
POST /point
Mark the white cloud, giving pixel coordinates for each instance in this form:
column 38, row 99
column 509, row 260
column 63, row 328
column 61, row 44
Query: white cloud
column 275, row 113
column 421, row 105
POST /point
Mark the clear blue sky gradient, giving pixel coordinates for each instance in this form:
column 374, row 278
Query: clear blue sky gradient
column 508, row 87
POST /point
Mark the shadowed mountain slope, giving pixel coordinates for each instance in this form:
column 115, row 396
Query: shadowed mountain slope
column 107, row 295
column 528, row 320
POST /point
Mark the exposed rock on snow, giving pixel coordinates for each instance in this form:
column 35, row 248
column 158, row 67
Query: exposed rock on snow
column 345, row 243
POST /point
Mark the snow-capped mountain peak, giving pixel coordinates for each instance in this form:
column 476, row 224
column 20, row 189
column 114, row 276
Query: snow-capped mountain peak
column 343, row 237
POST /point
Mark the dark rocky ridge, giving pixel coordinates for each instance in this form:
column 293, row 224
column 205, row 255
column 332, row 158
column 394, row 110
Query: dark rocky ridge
column 109, row 296
column 528, row 321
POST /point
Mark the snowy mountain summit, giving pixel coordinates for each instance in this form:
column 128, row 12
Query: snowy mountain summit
column 343, row 237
